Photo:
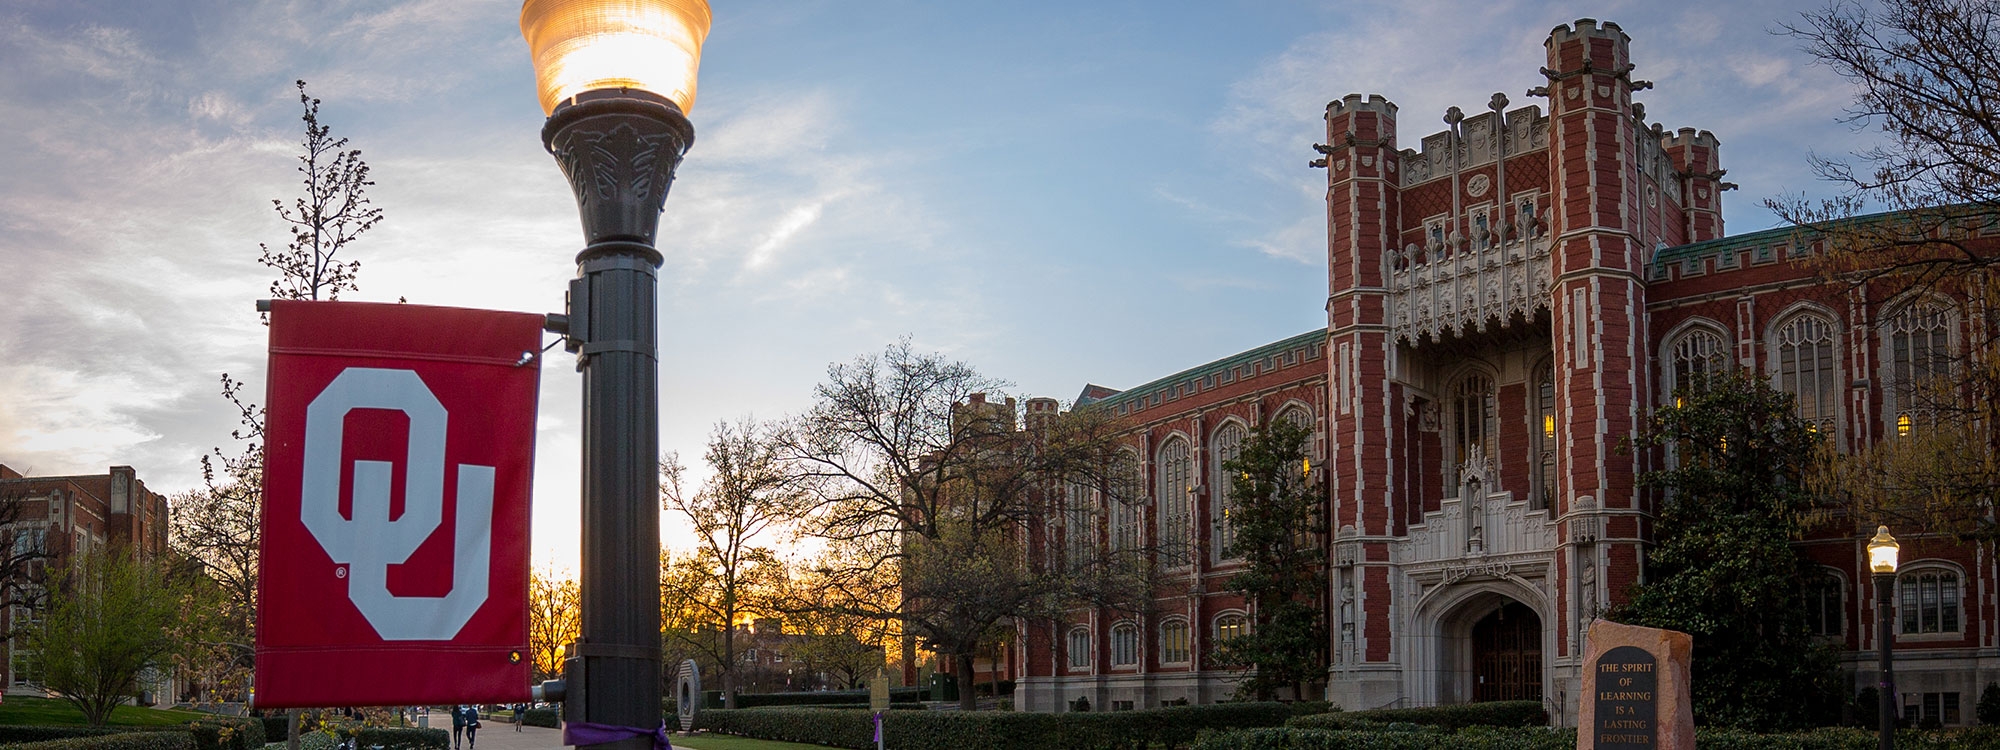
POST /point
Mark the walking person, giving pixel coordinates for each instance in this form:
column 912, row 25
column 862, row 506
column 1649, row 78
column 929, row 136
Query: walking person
column 457, row 726
column 519, row 709
column 471, row 727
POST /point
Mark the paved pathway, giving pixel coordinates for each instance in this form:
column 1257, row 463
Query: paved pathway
column 500, row 735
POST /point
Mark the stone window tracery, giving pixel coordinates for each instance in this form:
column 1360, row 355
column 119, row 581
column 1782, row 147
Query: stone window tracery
column 1228, row 444
column 1917, row 358
column 1175, row 491
column 1805, row 367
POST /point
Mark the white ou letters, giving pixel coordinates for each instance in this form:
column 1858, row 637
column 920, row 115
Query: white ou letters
column 371, row 542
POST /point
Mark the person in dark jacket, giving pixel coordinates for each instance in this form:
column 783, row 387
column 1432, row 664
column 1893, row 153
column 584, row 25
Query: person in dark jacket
column 457, row 726
column 471, row 727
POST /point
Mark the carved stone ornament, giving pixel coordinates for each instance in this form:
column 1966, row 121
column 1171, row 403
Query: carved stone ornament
column 1478, row 185
column 619, row 153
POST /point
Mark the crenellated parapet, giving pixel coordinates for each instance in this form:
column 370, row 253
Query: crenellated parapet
column 1483, row 138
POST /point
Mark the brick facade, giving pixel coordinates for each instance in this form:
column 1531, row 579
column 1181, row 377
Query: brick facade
column 1505, row 305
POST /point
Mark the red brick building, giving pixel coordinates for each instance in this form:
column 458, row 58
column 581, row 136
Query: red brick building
column 1505, row 305
column 65, row 516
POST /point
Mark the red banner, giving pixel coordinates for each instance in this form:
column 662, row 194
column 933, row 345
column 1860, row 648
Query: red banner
column 399, row 443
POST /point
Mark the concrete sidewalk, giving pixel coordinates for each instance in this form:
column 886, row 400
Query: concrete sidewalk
column 500, row 735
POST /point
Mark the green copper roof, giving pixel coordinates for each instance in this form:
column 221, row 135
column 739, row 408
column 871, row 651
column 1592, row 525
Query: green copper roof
column 1196, row 374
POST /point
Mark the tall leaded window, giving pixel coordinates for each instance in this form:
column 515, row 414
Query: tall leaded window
column 1918, row 343
column 1228, row 444
column 1545, row 436
column 1694, row 356
column 1298, row 416
column 1124, row 644
column 1124, row 509
column 1930, row 601
column 1475, row 420
column 1079, row 525
column 1079, row 648
column 1174, row 647
column 1806, row 368
column 1824, row 597
column 1175, row 491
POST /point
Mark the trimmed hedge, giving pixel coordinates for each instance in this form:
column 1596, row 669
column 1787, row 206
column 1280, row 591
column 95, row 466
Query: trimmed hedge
column 168, row 739
column 713, row 698
column 276, row 728
column 541, row 717
column 1412, row 737
column 1459, row 716
column 18, row 734
column 227, row 733
column 1171, row 727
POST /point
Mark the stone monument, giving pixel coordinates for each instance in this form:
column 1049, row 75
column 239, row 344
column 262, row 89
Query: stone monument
column 1635, row 689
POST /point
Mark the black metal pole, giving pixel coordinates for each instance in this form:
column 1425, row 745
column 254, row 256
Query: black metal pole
column 619, row 149
column 1885, row 636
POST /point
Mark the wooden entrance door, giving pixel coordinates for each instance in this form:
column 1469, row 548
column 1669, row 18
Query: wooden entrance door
column 1507, row 655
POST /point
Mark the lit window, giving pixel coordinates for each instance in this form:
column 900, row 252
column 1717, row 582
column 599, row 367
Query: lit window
column 1545, row 438
column 1229, row 627
column 1174, row 641
column 1918, row 358
column 1930, row 600
column 1124, row 645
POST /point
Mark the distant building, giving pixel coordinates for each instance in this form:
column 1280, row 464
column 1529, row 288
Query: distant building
column 1505, row 304
column 68, row 516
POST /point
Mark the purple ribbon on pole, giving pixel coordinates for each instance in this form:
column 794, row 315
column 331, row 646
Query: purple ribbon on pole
column 878, row 727
column 588, row 733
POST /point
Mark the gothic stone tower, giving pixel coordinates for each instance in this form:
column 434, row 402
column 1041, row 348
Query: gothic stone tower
column 1487, row 353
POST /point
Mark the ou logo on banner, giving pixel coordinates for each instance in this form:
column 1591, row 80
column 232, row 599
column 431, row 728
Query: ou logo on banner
column 370, row 542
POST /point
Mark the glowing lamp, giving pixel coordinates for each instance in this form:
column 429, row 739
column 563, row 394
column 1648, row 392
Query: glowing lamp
column 587, row 45
column 1902, row 425
column 1549, row 426
column 1882, row 551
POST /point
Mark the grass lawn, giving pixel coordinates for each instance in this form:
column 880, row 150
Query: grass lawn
column 730, row 742
column 51, row 712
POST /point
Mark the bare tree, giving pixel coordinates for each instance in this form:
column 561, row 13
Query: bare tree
column 728, row 577
column 555, row 618
column 933, row 492
column 1924, row 72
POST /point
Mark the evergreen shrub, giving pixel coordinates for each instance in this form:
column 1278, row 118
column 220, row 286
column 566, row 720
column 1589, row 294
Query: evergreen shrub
column 1171, row 727
column 1459, row 716
column 164, row 739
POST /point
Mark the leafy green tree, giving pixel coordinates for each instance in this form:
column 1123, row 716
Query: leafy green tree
column 1722, row 567
column 1275, row 520
column 112, row 619
column 1989, row 705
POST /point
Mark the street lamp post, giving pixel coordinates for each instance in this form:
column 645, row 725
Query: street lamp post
column 1882, row 559
column 615, row 78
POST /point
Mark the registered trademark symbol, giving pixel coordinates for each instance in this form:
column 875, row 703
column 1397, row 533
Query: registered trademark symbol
column 340, row 571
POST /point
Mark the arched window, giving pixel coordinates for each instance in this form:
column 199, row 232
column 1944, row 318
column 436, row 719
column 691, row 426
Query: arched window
column 1227, row 444
column 1175, row 491
column 1124, row 508
column 1916, row 356
column 1079, row 647
column 1079, row 525
column 1124, row 644
column 1229, row 626
column 1694, row 356
column 1174, row 641
column 1299, row 416
column 1545, row 437
column 1805, row 368
column 1825, row 595
column 1930, row 598
column 1474, row 421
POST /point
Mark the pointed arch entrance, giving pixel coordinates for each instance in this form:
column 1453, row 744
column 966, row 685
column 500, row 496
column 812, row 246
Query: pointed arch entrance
column 1507, row 655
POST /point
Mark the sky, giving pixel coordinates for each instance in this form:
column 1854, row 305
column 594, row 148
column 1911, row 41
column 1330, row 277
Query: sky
column 1058, row 193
